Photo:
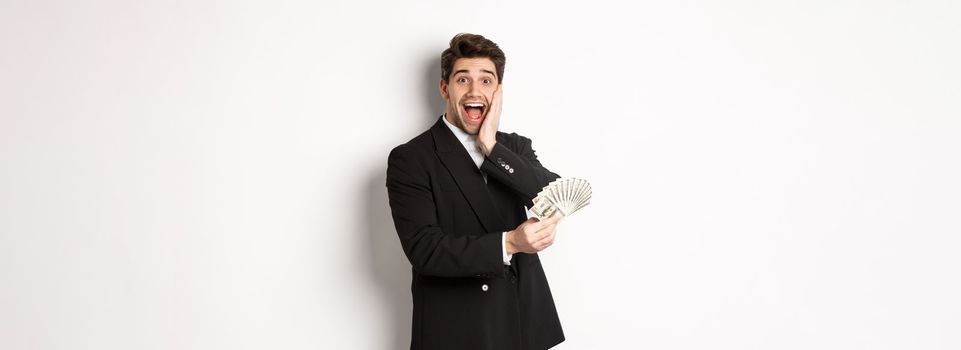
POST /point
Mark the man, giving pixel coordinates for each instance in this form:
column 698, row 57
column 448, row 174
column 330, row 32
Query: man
column 458, row 193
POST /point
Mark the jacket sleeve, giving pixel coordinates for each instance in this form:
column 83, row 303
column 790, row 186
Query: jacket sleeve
column 430, row 250
column 513, row 162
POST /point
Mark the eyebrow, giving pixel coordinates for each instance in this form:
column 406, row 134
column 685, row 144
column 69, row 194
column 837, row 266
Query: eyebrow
column 466, row 71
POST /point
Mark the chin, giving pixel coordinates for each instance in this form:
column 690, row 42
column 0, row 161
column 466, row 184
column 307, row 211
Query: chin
column 462, row 124
column 471, row 128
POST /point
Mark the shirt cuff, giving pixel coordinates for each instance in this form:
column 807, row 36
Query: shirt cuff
column 507, row 257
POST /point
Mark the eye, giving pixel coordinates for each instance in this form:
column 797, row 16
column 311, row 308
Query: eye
column 462, row 80
column 487, row 81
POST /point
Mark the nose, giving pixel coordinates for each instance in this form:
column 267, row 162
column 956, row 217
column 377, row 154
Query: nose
column 474, row 88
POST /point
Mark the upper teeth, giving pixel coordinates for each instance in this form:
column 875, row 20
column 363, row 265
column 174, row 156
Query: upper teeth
column 474, row 105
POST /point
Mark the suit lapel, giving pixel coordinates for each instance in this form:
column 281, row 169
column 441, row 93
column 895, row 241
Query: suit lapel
column 469, row 180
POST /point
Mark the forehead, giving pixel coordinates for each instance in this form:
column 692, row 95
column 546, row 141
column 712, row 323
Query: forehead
column 474, row 65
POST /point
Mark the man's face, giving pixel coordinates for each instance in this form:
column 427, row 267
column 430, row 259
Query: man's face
column 469, row 93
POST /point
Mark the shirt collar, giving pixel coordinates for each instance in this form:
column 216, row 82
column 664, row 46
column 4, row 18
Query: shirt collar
column 464, row 137
column 470, row 144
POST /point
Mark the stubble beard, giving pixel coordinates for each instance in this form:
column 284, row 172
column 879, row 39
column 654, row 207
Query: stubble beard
column 458, row 121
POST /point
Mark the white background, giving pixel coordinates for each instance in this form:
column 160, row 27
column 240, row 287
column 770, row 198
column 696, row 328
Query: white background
column 210, row 174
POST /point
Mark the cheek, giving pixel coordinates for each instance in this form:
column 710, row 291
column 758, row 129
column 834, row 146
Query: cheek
column 489, row 93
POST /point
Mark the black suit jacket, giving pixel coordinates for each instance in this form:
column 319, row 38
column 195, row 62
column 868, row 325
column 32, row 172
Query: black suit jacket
column 450, row 224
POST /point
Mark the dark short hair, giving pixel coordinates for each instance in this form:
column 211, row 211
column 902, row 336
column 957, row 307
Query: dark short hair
column 465, row 45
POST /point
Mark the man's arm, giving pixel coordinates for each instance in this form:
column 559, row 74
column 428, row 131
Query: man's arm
column 430, row 250
column 522, row 172
column 512, row 161
column 509, row 158
column 532, row 235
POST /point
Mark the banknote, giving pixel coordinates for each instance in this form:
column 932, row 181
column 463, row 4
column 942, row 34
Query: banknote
column 562, row 197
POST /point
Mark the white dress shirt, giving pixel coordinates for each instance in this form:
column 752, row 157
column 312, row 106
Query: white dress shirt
column 477, row 155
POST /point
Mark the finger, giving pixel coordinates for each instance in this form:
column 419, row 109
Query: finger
column 496, row 102
column 541, row 234
column 547, row 233
column 543, row 244
column 547, row 244
column 500, row 99
column 550, row 227
column 552, row 220
column 538, row 234
column 540, row 224
column 547, row 237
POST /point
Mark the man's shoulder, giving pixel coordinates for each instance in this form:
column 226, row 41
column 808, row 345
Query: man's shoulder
column 413, row 149
column 510, row 136
column 513, row 140
column 422, row 142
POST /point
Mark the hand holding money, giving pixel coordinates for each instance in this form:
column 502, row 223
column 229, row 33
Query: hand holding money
column 532, row 236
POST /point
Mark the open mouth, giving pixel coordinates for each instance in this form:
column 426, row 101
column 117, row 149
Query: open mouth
column 474, row 111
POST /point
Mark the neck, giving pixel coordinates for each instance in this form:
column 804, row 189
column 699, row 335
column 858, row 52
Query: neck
column 456, row 124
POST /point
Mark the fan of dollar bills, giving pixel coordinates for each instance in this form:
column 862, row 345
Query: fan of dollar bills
column 564, row 196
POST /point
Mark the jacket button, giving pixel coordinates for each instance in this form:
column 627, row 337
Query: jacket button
column 484, row 288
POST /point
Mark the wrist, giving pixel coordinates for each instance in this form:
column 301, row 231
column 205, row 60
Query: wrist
column 488, row 146
column 509, row 245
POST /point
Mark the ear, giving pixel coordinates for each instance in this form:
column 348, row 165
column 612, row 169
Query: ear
column 443, row 90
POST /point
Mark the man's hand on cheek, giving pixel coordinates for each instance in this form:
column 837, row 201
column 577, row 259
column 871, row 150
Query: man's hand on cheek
column 488, row 130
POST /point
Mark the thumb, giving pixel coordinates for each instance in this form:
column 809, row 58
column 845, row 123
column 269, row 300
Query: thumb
column 552, row 220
